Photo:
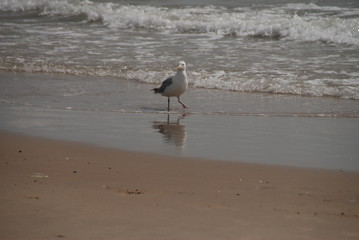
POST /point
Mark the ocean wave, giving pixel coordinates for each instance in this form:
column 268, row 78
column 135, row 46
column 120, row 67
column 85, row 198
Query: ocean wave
column 299, row 22
column 248, row 81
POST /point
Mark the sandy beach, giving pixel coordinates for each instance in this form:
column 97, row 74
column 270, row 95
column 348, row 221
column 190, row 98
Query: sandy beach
column 54, row 189
column 268, row 148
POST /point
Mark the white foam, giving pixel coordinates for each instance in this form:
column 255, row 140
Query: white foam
column 283, row 83
column 302, row 22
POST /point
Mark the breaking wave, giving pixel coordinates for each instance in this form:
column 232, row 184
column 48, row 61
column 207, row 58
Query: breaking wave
column 284, row 83
column 299, row 22
column 289, row 22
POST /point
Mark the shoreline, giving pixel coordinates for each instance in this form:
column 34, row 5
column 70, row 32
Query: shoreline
column 320, row 142
column 220, row 125
column 55, row 189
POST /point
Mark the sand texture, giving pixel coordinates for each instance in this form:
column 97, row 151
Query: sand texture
column 64, row 190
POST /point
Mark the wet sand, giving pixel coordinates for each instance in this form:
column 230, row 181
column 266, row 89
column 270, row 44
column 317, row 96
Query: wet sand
column 53, row 189
column 220, row 125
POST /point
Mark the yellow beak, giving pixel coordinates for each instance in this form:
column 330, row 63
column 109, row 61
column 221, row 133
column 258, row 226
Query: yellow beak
column 179, row 68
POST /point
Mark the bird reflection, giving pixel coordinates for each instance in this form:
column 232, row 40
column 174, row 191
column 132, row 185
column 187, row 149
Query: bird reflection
column 173, row 131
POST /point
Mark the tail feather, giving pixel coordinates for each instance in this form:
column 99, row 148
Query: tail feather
column 155, row 90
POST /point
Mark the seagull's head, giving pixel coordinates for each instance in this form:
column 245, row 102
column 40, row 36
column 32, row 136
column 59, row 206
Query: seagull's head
column 181, row 66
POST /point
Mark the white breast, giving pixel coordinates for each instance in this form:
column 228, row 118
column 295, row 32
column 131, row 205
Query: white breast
column 179, row 85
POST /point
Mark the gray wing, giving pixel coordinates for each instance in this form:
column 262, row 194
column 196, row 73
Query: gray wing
column 164, row 85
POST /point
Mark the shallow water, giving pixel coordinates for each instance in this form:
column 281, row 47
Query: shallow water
column 220, row 125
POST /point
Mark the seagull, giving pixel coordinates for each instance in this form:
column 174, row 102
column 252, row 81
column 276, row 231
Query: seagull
column 174, row 86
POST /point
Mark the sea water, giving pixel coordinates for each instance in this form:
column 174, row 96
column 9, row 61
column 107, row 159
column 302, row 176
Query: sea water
column 271, row 82
column 277, row 47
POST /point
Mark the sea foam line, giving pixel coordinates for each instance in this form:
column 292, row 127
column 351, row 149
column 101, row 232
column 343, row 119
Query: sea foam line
column 220, row 79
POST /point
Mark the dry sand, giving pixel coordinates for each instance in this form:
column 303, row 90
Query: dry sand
column 64, row 190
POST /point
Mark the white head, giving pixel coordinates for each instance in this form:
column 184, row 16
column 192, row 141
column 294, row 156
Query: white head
column 181, row 66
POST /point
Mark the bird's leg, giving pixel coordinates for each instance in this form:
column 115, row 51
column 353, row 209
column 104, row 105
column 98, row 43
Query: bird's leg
column 183, row 105
column 168, row 106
